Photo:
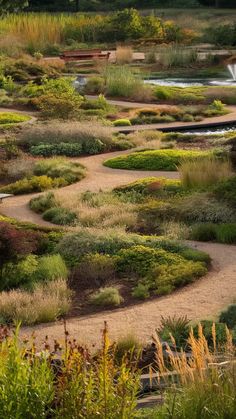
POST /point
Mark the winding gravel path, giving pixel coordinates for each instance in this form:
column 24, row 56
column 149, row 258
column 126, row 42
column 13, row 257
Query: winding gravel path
column 203, row 299
column 98, row 178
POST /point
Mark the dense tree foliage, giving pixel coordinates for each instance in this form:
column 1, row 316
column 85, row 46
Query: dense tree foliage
column 96, row 5
column 12, row 5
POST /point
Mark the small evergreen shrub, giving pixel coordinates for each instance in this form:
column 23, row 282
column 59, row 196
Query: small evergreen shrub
column 42, row 203
column 122, row 122
column 61, row 149
column 60, row 216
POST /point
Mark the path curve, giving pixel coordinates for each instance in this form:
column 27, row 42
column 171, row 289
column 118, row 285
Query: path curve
column 98, row 177
column 200, row 300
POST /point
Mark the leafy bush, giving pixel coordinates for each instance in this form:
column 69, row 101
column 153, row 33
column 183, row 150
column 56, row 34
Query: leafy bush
column 51, row 267
column 43, row 202
column 61, row 170
column 164, row 279
column 122, row 122
column 45, row 303
column 94, row 270
column 141, row 291
column 154, row 160
column 226, row 190
column 229, row 316
column 140, row 260
column 34, row 184
column 60, row 216
column 106, row 297
column 61, row 149
column 95, row 85
column 195, row 255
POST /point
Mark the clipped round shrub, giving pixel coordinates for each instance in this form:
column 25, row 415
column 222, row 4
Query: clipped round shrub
column 154, row 159
column 106, row 297
column 122, row 123
column 60, row 216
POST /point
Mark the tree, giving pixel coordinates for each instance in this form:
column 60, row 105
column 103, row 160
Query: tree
column 15, row 243
column 10, row 6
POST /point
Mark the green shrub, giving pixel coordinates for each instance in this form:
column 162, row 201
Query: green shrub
column 220, row 329
column 59, row 168
column 20, row 274
column 164, row 279
column 51, row 267
column 106, row 297
column 95, row 85
column 204, row 232
column 152, row 186
column 177, row 327
column 226, row 233
column 154, row 160
column 60, row 216
column 42, row 203
column 94, row 270
column 126, row 346
column 141, row 291
column 61, row 149
column 34, row 184
column 139, row 260
column 122, row 122
column 195, row 255
column 229, row 316
column 12, row 118
column 226, row 190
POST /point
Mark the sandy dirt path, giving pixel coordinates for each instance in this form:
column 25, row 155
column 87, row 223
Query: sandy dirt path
column 203, row 299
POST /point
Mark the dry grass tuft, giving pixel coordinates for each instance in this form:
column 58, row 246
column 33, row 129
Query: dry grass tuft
column 204, row 172
column 124, row 55
column 44, row 304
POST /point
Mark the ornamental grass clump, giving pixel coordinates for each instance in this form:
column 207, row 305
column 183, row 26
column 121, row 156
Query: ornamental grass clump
column 204, row 173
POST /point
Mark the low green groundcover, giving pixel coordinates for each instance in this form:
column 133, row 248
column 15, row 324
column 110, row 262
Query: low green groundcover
column 154, row 159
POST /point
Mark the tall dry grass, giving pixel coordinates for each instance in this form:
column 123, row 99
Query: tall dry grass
column 44, row 304
column 124, row 55
column 204, row 172
column 99, row 210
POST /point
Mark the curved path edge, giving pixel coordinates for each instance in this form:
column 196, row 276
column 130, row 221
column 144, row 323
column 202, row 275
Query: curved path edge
column 204, row 299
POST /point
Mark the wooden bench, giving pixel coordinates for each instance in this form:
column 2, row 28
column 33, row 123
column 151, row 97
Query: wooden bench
column 4, row 196
column 79, row 55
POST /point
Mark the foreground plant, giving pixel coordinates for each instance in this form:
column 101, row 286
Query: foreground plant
column 73, row 384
